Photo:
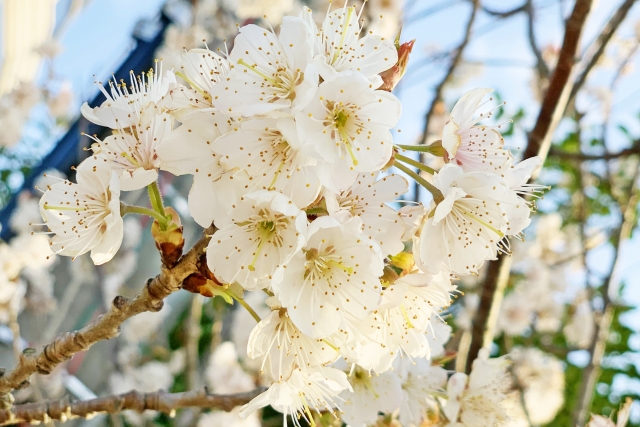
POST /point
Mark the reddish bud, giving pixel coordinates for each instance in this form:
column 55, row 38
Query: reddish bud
column 393, row 75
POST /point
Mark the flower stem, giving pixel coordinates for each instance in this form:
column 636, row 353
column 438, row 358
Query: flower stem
column 415, row 163
column 127, row 209
column 418, row 148
column 156, row 198
column 437, row 194
column 246, row 306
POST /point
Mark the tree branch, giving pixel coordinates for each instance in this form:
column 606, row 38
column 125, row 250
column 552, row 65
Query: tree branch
column 505, row 14
column 106, row 326
column 553, row 106
column 634, row 149
column 560, row 86
column 600, row 44
column 168, row 403
column 541, row 64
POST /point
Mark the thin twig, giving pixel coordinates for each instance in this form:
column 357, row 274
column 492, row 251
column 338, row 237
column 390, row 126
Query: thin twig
column 106, row 326
column 506, row 13
column 193, row 333
column 541, row 64
column 64, row 410
column 598, row 47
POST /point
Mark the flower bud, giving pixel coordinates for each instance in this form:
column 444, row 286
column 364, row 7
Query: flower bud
column 393, row 75
column 403, row 261
column 170, row 241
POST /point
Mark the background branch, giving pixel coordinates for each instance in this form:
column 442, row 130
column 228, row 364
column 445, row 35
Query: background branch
column 634, row 149
column 541, row 64
column 600, row 44
column 161, row 401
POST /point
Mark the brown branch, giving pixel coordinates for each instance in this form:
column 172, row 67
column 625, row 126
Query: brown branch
column 541, row 64
column 634, row 149
column 600, row 44
column 106, row 326
column 161, row 401
column 553, row 106
column 506, row 13
column 560, row 86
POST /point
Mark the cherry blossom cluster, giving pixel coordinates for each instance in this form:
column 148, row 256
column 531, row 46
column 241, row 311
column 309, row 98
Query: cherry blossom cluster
column 288, row 137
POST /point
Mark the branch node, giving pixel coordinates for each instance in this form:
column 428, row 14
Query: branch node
column 119, row 302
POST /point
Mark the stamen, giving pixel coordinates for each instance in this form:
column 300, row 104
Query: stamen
column 258, row 72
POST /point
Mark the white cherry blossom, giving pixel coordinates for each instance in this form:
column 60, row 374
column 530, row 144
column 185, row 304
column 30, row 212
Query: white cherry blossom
column 465, row 229
column 367, row 199
column 337, row 271
column 263, row 231
column 406, row 310
column 420, row 382
column 346, row 127
column 202, row 69
column 188, row 150
column 282, row 347
column 479, row 399
column 85, row 216
column 371, row 394
column 268, row 72
column 269, row 151
column 474, row 148
column 338, row 47
column 123, row 105
column 133, row 153
column 315, row 389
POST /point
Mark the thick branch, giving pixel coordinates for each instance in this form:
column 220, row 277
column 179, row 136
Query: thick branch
column 106, row 326
column 63, row 410
column 551, row 111
column 560, row 86
column 600, row 44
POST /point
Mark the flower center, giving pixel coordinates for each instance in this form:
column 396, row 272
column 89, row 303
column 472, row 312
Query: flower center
column 320, row 264
column 267, row 227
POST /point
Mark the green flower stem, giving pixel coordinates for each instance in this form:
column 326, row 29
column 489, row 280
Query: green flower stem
column 437, row 194
column 418, row 148
column 127, row 209
column 156, row 198
column 415, row 163
column 245, row 305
